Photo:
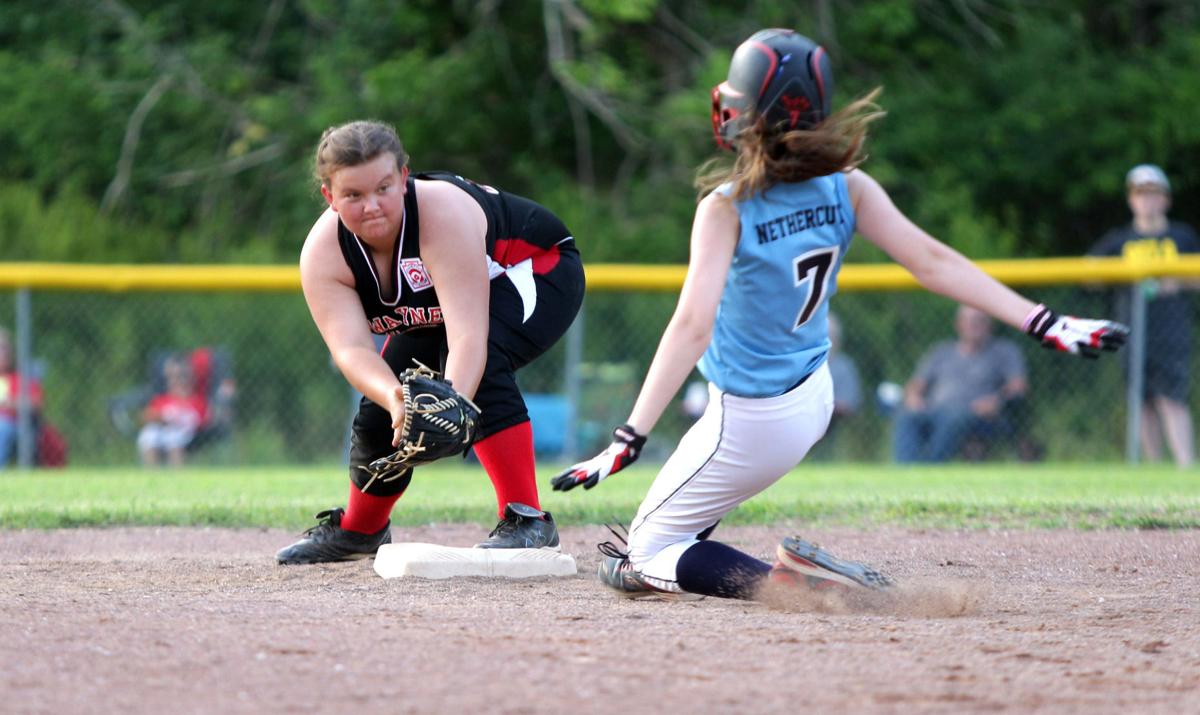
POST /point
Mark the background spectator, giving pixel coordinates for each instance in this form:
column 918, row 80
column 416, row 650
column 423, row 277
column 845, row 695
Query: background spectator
column 10, row 390
column 960, row 389
column 847, row 386
column 172, row 417
column 1168, row 354
column 212, row 382
column 847, row 398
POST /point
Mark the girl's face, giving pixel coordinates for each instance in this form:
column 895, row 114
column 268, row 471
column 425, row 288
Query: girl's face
column 369, row 198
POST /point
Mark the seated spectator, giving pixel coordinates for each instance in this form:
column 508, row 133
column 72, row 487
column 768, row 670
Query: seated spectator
column 212, row 381
column 847, row 398
column 171, row 418
column 960, row 390
column 10, row 392
column 847, row 387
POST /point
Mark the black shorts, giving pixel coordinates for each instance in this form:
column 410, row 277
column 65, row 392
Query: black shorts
column 1167, row 375
column 1167, row 370
column 513, row 342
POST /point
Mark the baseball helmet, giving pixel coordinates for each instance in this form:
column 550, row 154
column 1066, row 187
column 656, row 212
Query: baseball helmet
column 777, row 74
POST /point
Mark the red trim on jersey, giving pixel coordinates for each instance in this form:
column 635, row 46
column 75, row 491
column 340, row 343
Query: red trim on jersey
column 546, row 261
column 511, row 251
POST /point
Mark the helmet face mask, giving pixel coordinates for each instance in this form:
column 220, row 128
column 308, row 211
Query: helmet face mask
column 777, row 75
column 727, row 119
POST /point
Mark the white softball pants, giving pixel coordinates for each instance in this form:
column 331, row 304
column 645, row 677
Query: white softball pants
column 738, row 447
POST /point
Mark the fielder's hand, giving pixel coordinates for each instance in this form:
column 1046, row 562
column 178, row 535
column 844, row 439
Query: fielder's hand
column 1073, row 335
column 434, row 421
column 626, row 446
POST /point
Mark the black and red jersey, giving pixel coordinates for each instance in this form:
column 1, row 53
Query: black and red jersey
column 518, row 230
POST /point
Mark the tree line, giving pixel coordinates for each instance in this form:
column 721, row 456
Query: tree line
column 175, row 131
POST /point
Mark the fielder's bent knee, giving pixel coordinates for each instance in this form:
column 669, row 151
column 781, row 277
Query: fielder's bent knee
column 382, row 487
column 371, row 439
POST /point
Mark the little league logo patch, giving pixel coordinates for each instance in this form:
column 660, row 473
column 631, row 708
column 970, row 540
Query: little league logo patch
column 415, row 274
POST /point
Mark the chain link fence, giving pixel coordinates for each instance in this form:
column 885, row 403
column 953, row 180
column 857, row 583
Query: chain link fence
column 99, row 356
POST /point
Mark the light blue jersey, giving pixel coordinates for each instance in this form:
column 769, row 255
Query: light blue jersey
column 771, row 328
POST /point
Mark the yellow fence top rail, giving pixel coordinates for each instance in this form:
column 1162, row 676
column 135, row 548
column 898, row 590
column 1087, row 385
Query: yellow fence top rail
column 600, row 276
column 128, row 277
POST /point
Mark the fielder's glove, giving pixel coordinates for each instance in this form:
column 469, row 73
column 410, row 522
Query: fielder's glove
column 438, row 422
column 626, row 446
column 1077, row 336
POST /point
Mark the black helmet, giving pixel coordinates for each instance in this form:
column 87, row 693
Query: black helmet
column 777, row 74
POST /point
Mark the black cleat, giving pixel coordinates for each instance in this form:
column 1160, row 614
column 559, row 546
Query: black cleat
column 328, row 541
column 523, row 527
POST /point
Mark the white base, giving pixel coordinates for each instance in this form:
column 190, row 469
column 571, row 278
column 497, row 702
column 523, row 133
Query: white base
column 434, row 561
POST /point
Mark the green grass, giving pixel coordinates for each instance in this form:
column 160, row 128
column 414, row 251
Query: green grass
column 956, row 496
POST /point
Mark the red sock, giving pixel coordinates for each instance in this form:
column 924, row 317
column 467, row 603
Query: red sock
column 367, row 513
column 507, row 456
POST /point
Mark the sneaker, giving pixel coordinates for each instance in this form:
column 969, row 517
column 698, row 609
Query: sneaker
column 328, row 541
column 617, row 573
column 821, row 569
column 523, row 527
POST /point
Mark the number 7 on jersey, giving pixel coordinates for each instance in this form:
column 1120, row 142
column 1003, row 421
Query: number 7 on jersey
column 813, row 268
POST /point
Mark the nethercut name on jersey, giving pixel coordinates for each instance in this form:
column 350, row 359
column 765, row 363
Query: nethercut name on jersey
column 801, row 220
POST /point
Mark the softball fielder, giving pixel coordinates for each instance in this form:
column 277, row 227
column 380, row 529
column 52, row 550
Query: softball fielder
column 766, row 246
column 462, row 277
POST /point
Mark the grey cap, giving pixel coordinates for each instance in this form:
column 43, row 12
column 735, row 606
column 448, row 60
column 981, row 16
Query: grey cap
column 1147, row 175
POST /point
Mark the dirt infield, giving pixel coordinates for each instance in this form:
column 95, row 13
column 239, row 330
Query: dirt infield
column 202, row 621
